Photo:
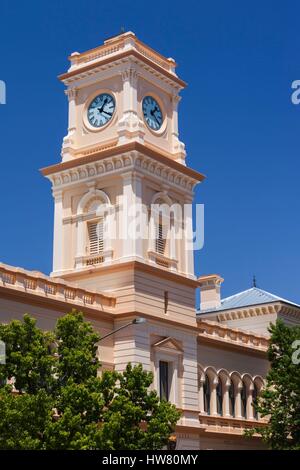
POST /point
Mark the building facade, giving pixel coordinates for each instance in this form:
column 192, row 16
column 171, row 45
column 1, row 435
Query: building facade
column 123, row 249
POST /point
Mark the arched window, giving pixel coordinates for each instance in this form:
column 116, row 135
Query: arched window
column 244, row 400
column 206, row 395
column 93, row 227
column 95, row 213
column 162, row 231
column 254, row 396
column 219, row 392
column 231, row 399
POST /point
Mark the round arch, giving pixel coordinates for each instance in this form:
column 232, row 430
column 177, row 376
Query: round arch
column 91, row 195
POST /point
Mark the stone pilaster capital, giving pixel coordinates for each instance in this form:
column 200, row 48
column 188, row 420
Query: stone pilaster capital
column 57, row 194
column 130, row 75
column 176, row 99
column 71, row 93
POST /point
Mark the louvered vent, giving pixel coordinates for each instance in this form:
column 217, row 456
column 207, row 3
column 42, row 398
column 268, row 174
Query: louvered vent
column 160, row 244
column 96, row 238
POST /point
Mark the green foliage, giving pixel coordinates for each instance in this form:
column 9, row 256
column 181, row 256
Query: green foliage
column 129, row 404
column 61, row 403
column 27, row 355
column 280, row 400
column 23, row 419
column 76, row 348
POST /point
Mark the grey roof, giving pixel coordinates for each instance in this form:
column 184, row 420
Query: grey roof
column 253, row 296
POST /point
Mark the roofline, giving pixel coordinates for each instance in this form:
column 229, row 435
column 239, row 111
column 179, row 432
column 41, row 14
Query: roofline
column 115, row 38
column 165, row 158
column 123, row 55
column 199, row 312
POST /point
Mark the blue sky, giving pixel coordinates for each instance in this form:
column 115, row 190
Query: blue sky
column 236, row 118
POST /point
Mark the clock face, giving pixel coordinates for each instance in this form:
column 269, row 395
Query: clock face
column 101, row 109
column 152, row 113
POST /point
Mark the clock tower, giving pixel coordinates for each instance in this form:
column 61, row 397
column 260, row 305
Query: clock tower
column 122, row 190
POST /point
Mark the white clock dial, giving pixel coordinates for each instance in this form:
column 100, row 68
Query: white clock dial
column 101, row 110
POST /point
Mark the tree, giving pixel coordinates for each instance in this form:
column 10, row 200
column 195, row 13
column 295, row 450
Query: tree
column 58, row 401
column 280, row 399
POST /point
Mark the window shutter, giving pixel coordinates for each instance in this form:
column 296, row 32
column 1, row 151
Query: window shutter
column 160, row 244
column 96, row 237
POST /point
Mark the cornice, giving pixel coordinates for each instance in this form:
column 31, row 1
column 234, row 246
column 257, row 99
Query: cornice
column 118, row 58
column 114, row 160
column 137, row 266
column 114, row 44
column 277, row 307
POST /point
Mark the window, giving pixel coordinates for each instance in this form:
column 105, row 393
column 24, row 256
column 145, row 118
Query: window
column 164, row 385
column 166, row 299
column 231, row 399
column 95, row 230
column 219, row 398
column 206, row 395
column 96, row 238
column 160, row 242
column 244, row 400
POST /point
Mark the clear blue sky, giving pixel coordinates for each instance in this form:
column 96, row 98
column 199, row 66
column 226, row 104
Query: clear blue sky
column 236, row 118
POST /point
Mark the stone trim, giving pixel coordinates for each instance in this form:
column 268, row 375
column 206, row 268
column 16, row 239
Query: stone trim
column 118, row 42
column 231, row 426
column 258, row 310
column 232, row 336
column 116, row 165
column 118, row 50
column 38, row 284
column 133, row 155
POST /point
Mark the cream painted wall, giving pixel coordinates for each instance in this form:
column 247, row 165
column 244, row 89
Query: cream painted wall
column 232, row 360
column 46, row 319
column 85, row 134
column 257, row 324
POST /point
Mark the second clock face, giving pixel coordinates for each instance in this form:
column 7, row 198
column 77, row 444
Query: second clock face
column 152, row 113
column 101, row 109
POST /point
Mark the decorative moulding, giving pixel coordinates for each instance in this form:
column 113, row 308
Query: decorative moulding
column 209, row 330
column 115, row 165
column 37, row 283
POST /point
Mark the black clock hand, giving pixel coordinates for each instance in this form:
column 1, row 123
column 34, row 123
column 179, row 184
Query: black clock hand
column 104, row 103
column 152, row 112
column 109, row 114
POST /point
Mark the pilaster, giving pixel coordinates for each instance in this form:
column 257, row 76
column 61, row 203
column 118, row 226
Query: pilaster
column 130, row 125
column 133, row 220
column 58, row 231
column 69, row 141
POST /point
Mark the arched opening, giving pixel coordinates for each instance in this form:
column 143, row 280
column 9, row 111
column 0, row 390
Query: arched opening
column 206, row 394
column 94, row 230
column 162, row 232
column 231, row 393
column 254, row 400
column 244, row 400
column 219, row 393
